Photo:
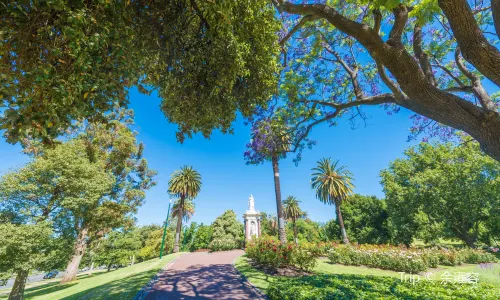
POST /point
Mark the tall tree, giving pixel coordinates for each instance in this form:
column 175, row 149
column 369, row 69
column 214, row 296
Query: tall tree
column 184, row 212
column 211, row 59
column 453, row 187
column 184, row 184
column 269, row 142
column 227, row 226
column 115, row 149
column 333, row 185
column 293, row 212
column 342, row 55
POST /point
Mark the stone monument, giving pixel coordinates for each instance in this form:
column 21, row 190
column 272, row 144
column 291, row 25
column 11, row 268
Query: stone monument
column 252, row 220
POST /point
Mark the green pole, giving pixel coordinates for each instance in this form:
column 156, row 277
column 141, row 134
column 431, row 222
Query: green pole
column 165, row 230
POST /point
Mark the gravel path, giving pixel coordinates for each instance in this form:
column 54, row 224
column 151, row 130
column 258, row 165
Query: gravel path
column 202, row 275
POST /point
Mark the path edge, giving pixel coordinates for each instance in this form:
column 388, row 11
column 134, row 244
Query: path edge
column 147, row 288
column 245, row 280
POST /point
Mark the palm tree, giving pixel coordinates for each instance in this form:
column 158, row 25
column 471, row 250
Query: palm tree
column 333, row 186
column 185, row 184
column 185, row 212
column 293, row 212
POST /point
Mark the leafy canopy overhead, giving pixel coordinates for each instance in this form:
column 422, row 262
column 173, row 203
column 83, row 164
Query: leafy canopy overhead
column 65, row 60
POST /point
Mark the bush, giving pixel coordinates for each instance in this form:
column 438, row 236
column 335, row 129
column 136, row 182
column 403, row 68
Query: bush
column 402, row 259
column 223, row 244
column 271, row 253
column 373, row 287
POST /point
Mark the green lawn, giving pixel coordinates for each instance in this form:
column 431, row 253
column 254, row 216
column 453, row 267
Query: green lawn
column 262, row 280
column 123, row 283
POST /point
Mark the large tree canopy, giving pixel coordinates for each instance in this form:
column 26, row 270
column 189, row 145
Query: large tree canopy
column 451, row 190
column 64, row 60
column 341, row 55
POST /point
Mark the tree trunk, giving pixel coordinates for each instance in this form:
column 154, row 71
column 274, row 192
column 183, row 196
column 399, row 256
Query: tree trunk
column 179, row 226
column 78, row 251
column 341, row 223
column 295, row 232
column 91, row 268
column 279, row 204
column 17, row 292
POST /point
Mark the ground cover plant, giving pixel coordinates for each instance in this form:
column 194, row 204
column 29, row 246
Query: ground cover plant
column 372, row 287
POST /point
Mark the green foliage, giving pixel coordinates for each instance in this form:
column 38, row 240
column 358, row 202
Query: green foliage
column 307, row 231
column 443, row 190
column 206, row 59
column 223, row 244
column 202, row 238
column 185, row 183
column 332, row 184
column 404, row 259
column 24, row 247
column 118, row 248
column 227, row 226
column 365, row 220
column 371, row 287
column 270, row 253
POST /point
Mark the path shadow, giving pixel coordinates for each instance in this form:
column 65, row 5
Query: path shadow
column 218, row 281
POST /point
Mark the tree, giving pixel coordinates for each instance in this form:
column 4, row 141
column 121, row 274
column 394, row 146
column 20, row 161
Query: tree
column 366, row 219
column 270, row 142
column 47, row 189
column 333, row 186
column 227, row 226
column 202, row 238
column 115, row 150
column 453, row 187
column 118, row 248
column 342, row 55
column 206, row 60
column 268, row 224
column 184, row 184
column 24, row 247
column 293, row 212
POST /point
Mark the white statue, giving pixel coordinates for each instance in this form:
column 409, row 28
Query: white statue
column 253, row 230
column 251, row 203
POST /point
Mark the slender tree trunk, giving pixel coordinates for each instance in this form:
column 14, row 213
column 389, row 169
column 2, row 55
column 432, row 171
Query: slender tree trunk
column 78, row 251
column 295, row 232
column 341, row 222
column 17, row 292
column 279, row 205
column 179, row 226
column 91, row 268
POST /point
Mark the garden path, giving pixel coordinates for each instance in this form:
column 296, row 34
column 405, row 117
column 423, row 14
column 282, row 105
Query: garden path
column 202, row 275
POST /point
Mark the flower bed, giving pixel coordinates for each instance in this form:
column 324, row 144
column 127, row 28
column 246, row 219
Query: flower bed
column 371, row 287
column 270, row 253
column 402, row 259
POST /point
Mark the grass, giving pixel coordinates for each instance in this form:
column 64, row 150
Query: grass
column 123, row 283
column 261, row 280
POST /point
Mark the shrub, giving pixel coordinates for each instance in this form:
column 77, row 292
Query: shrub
column 271, row 253
column 373, row 287
column 318, row 249
column 223, row 244
column 402, row 259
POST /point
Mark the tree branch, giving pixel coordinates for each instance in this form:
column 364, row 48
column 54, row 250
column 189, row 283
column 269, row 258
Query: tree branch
column 400, row 19
column 422, row 57
column 495, row 11
column 474, row 46
column 297, row 26
column 377, row 20
column 477, row 86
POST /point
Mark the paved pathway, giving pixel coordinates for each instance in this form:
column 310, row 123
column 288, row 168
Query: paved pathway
column 202, row 275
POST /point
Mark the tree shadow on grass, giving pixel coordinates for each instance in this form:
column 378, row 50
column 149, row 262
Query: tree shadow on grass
column 124, row 288
column 47, row 289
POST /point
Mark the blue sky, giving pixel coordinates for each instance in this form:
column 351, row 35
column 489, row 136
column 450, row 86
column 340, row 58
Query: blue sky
column 228, row 181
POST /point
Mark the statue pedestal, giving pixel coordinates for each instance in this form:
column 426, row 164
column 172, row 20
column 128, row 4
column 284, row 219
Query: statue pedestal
column 252, row 221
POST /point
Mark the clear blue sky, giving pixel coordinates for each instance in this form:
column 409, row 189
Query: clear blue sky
column 228, row 181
